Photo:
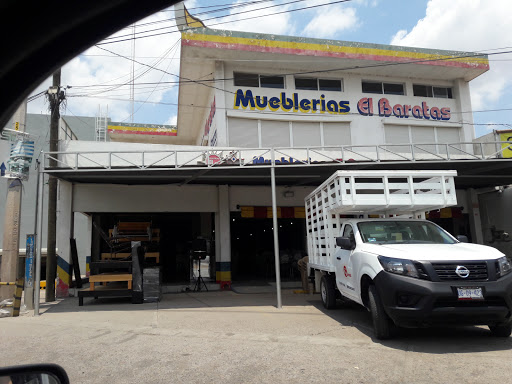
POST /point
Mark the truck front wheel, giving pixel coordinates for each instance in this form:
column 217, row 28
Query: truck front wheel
column 501, row 330
column 328, row 292
column 381, row 321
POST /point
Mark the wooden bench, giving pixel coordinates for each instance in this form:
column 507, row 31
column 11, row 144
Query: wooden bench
column 124, row 255
column 110, row 277
column 103, row 291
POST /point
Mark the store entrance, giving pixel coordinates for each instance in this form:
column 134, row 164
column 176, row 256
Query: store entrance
column 173, row 234
column 252, row 248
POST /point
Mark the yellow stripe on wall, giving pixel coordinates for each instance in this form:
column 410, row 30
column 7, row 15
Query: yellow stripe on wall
column 63, row 275
column 223, row 275
column 330, row 48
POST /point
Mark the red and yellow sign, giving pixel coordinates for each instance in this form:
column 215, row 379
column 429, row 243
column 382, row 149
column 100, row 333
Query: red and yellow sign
column 266, row 212
column 149, row 129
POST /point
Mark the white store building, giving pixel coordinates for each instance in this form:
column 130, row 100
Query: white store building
column 251, row 104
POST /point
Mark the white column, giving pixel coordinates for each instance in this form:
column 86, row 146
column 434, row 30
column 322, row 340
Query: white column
column 223, row 237
column 463, row 97
column 220, row 102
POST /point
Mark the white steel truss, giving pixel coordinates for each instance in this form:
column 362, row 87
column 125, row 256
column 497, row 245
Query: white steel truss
column 209, row 158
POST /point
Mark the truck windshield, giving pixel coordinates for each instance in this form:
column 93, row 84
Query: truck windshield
column 417, row 232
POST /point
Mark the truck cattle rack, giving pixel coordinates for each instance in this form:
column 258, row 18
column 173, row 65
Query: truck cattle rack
column 379, row 193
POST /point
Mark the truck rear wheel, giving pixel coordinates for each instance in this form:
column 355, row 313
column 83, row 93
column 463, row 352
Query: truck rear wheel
column 381, row 321
column 501, row 330
column 328, row 292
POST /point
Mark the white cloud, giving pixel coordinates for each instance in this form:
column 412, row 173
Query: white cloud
column 490, row 126
column 468, row 25
column 172, row 120
column 328, row 21
column 278, row 24
column 104, row 77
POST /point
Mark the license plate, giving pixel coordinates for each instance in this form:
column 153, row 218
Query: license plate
column 470, row 293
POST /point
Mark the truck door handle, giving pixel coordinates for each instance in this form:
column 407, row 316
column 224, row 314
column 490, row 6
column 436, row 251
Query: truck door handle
column 339, row 258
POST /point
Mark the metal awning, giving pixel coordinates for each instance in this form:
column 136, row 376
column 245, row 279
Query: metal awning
column 470, row 173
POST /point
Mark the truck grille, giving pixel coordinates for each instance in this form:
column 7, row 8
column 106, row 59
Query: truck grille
column 446, row 271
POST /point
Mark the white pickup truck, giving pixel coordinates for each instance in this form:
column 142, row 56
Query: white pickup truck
column 406, row 271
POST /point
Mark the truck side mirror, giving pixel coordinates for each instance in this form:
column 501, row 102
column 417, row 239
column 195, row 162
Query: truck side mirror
column 345, row 243
column 462, row 238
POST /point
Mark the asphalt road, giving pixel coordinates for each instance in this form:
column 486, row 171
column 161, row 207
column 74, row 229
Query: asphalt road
column 225, row 337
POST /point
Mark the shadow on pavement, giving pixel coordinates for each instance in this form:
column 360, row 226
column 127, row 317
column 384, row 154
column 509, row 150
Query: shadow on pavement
column 185, row 300
column 435, row 340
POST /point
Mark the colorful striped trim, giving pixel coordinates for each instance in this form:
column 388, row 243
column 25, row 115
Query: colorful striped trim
column 63, row 277
column 266, row 212
column 87, row 266
column 445, row 213
column 204, row 37
column 142, row 130
column 223, row 274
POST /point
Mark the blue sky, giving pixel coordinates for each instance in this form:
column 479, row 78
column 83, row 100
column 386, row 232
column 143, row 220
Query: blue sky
column 99, row 77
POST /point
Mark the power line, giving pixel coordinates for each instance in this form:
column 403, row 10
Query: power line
column 232, row 21
column 227, row 7
column 153, row 66
column 289, row 114
column 216, row 17
column 163, row 74
column 169, row 73
column 385, row 64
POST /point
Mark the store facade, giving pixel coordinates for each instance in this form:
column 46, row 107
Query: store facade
column 304, row 107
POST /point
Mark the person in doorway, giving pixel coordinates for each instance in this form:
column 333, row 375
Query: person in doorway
column 303, row 268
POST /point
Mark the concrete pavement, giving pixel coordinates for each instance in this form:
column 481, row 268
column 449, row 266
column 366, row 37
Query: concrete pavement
column 225, row 337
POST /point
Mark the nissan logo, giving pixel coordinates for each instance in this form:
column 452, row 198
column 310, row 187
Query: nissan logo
column 462, row 271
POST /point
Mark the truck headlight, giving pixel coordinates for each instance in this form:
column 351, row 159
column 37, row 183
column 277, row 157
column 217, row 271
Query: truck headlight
column 399, row 266
column 503, row 266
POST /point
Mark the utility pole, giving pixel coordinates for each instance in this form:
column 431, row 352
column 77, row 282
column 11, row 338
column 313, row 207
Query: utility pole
column 9, row 268
column 55, row 97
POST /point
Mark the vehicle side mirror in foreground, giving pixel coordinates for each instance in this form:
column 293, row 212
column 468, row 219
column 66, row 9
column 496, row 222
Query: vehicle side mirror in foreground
column 345, row 243
column 462, row 238
column 36, row 373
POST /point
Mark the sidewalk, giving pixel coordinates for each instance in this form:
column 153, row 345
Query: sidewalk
column 225, row 337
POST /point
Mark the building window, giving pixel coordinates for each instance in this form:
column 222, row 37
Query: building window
column 306, row 84
column 246, row 79
column 243, row 132
column 426, row 140
column 330, row 85
column 313, row 84
column 255, row 80
column 383, row 88
column 431, row 91
column 271, row 81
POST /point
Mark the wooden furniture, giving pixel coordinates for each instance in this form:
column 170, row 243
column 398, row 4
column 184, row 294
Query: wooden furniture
column 115, row 287
column 110, row 277
column 124, row 255
column 114, row 290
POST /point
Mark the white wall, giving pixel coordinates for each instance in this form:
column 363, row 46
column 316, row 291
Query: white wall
column 144, row 198
column 365, row 130
column 262, row 196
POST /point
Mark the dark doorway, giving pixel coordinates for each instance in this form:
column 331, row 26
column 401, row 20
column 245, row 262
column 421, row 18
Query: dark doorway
column 176, row 232
column 252, row 248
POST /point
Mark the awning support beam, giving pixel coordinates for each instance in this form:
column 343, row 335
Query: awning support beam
column 276, row 234
column 39, row 240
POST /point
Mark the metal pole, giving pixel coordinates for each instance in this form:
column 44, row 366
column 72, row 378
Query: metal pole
column 39, row 238
column 29, row 285
column 51, row 255
column 276, row 235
